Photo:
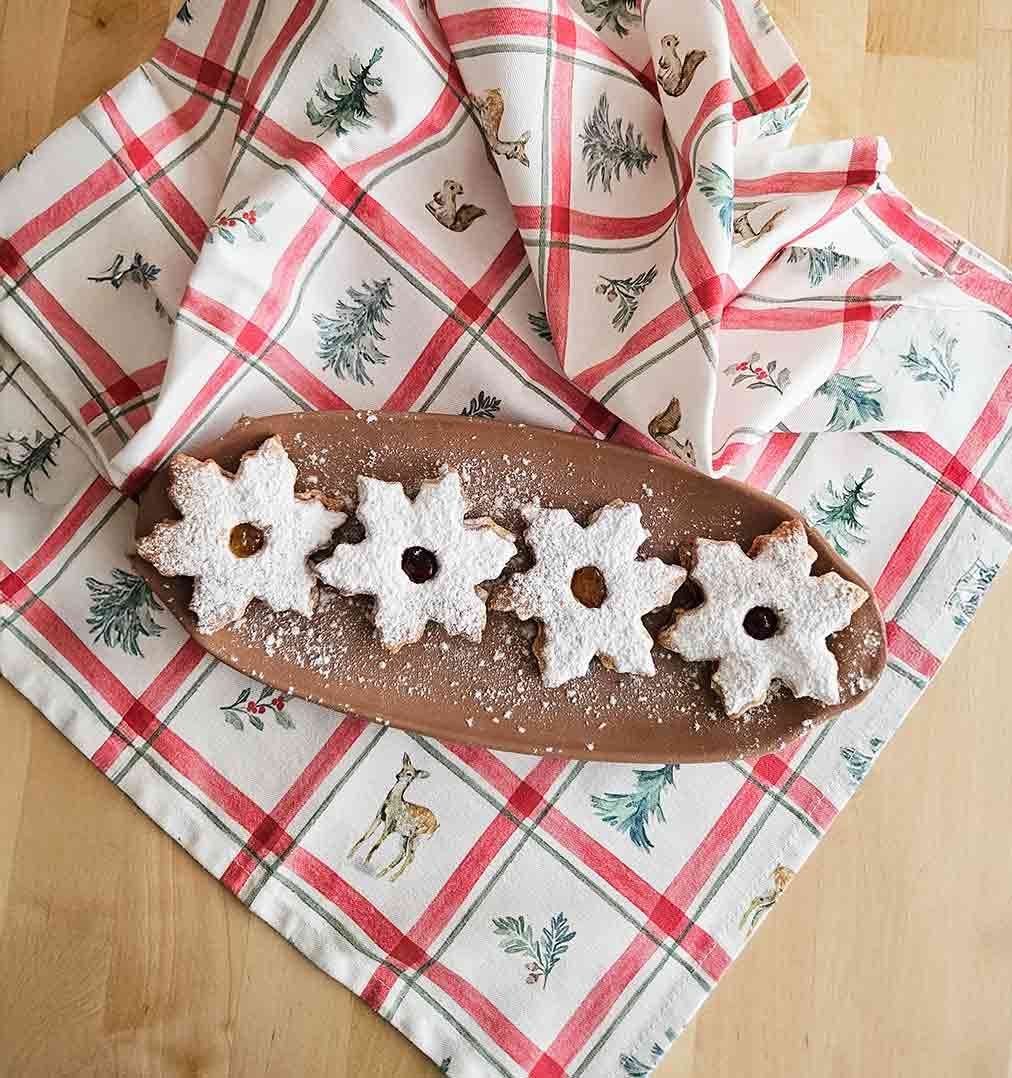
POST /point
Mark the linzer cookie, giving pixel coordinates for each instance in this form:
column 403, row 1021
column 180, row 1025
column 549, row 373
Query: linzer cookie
column 242, row 537
column 420, row 560
column 765, row 617
column 589, row 591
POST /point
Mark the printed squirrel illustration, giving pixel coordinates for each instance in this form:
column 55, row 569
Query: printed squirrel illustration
column 398, row 816
column 744, row 233
column 443, row 206
column 662, row 428
column 674, row 74
column 488, row 108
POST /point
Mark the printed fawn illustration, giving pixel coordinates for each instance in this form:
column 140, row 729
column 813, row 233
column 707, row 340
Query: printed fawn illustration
column 396, row 815
column 488, row 109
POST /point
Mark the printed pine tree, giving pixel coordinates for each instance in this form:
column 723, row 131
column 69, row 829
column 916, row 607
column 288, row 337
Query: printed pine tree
column 607, row 149
column 616, row 15
column 345, row 98
column 348, row 342
column 22, row 457
column 631, row 813
column 854, row 400
column 823, row 262
column 121, row 611
column 836, row 513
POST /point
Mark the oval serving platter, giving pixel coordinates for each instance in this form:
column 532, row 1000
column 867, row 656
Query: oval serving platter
column 491, row 693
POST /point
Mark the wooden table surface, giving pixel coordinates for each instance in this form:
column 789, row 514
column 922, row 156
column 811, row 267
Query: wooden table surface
column 890, row 955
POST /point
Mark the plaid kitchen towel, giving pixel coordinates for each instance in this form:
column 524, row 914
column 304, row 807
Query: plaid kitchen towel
column 585, row 216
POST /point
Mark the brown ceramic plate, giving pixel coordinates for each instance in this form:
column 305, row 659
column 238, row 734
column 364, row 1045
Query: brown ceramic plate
column 491, row 693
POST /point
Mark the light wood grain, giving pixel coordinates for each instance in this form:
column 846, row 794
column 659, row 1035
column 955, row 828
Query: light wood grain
column 891, row 954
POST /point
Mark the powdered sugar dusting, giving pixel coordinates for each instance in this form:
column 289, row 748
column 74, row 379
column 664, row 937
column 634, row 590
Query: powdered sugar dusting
column 574, row 633
column 212, row 503
column 776, row 576
column 467, row 553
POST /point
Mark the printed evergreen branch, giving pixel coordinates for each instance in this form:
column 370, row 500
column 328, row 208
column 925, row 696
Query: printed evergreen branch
column 633, row 1067
column 937, row 365
column 777, row 120
column 836, row 514
column 632, row 812
column 616, row 15
column 607, row 149
column 822, row 261
column 857, row 761
column 764, row 20
column 854, row 400
column 627, row 290
column 718, row 187
column 121, row 611
column 545, row 952
column 21, row 458
column 348, row 342
column 484, row 406
column 970, row 588
column 539, row 323
column 245, row 706
column 345, row 98
column 184, row 14
column 444, row 1067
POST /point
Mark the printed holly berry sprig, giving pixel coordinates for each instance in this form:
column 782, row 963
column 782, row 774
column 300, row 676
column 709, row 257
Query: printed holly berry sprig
column 241, row 215
column 545, row 953
column 757, row 376
column 248, row 707
column 627, row 290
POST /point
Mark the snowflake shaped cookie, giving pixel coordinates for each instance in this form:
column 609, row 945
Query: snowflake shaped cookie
column 242, row 537
column 420, row 560
column 589, row 591
column 764, row 616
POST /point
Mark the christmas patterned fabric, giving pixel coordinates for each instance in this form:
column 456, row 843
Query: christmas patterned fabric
column 587, row 217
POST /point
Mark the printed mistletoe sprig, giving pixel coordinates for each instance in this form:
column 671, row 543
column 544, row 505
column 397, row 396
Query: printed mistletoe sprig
column 627, row 290
column 136, row 272
column 246, row 706
column 21, row 458
column 241, row 215
column 484, row 406
column 854, row 400
column 607, row 149
column 822, row 261
column 936, row 365
column 718, row 187
column 782, row 876
column 539, row 323
column 616, row 15
column 858, row 762
column 121, row 611
column 756, row 376
column 545, row 952
column 348, row 342
column 835, row 514
column 345, row 98
column 632, row 812
column 633, row 1067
